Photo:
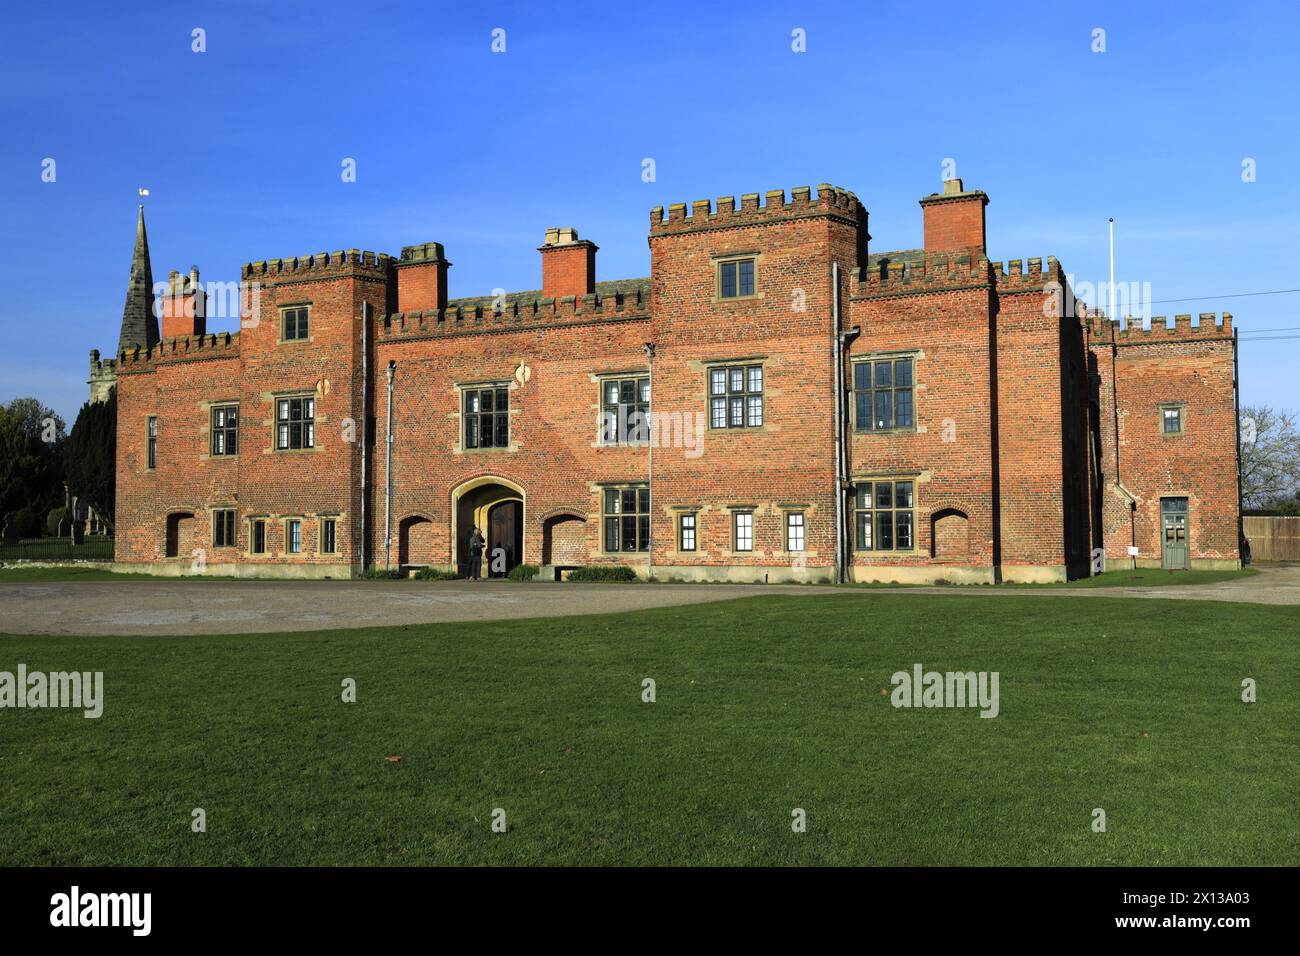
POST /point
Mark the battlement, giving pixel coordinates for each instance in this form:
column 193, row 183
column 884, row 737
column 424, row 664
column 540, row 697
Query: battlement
column 917, row 271
column 1025, row 275
column 101, row 367
column 320, row 265
column 618, row 301
column 182, row 347
column 1209, row 326
column 830, row 200
column 103, row 377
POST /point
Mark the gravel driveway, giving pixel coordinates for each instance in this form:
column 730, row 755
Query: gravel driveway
column 242, row 607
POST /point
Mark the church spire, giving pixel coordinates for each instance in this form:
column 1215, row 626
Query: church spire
column 139, row 321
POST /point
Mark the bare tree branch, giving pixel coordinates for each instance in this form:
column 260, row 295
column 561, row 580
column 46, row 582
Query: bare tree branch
column 1270, row 455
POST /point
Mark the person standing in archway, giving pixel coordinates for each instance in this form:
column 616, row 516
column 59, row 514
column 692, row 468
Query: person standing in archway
column 475, row 546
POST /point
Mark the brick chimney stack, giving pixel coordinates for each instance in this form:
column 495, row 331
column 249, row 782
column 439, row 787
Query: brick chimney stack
column 184, row 307
column 422, row 278
column 568, row 264
column 954, row 219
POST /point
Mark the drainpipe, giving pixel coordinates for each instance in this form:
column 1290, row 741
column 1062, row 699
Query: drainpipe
column 837, row 384
column 365, row 422
column 650, row 457
column 1236, row 408
column 388, row 471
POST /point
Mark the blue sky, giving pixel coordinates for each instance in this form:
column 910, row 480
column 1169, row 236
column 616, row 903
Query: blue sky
column 241, row 146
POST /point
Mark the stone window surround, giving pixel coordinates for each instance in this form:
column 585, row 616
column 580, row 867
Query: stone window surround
column 460, row 388
column 1181, row 407
column 281, row 308
column 916, row 355
column 716, row 261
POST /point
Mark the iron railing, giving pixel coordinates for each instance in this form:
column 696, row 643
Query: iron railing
column 92, row 548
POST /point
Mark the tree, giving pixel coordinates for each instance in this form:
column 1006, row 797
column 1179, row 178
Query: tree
column 31, row 468
column 1270, row 455
column 90, row 456
column 38, row 421
column 18, row 462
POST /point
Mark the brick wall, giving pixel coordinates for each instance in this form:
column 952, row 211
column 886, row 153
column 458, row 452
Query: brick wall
column 787, row 464
column 950, row 451
column 1032, row 432
column 554, row 454
column 1190, row 367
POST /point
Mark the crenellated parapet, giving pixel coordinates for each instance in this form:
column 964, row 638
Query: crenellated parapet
column 919, row 272
column 181, row 348
column 832, row 201
column 321, row 265
column 100, row 366
column 1028, row 275
column 1208, row 327
column 519, row 312
column 103, row 377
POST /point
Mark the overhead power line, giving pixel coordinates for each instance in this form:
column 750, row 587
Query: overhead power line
column 1228, row 295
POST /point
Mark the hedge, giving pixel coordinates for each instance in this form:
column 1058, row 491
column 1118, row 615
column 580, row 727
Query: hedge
column 603, row 572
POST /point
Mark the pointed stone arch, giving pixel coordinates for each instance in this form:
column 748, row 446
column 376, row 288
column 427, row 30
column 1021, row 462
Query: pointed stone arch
column 472, row 502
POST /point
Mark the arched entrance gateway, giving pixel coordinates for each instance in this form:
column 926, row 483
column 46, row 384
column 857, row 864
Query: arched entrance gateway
column 496, row 507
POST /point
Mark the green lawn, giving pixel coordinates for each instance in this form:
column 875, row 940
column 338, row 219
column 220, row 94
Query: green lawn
column 764, row 704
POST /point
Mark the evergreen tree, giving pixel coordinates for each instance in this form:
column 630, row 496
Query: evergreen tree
column 90, row 456
column 31, row 463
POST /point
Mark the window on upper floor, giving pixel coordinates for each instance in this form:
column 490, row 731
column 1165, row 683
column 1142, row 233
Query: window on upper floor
column 151, row 444
column 736, row 396
column 487, row 417
column 626, row 515
column 736, row 278
column 1171, row 419
column 294, row 324
column 882, row 394
column 883, row 516
column 225, row 429
column 295, row 422
column 625, row 410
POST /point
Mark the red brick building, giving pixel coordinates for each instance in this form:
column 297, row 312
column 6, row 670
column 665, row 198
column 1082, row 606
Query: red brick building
column 815, row 411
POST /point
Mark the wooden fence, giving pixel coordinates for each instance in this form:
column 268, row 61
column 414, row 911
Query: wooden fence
column 1272, row 538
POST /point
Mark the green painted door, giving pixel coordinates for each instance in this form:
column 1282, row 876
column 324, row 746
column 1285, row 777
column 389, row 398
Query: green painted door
column 1174, row 548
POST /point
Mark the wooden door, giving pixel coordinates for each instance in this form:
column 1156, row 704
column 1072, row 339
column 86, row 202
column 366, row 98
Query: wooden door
column 505, row 538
